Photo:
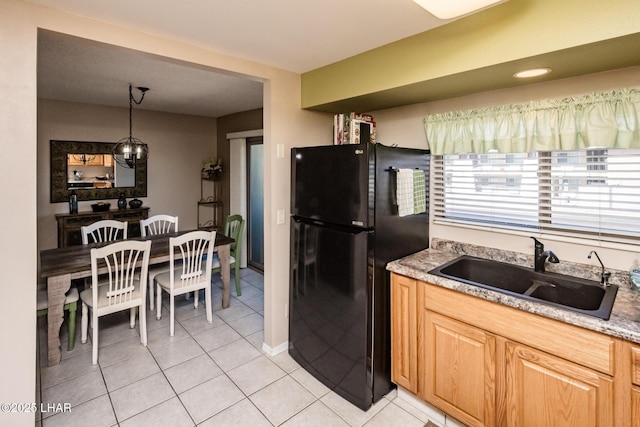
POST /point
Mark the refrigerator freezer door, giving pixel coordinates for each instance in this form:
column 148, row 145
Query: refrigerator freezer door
column 333, row 184
column 330, row 308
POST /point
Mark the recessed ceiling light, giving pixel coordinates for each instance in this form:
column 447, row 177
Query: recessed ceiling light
column 452, row 9
column 534, row 72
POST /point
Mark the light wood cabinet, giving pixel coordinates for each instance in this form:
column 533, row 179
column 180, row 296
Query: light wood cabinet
column 543, row 390
column 459, row 369
column 107, row 160
column 404, row 333
column 487, row 364
column 89, row 160
column 635, row 406
column 634, row 352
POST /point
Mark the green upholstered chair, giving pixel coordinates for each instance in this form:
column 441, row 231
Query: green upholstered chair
column 70, row 305
column 233, row 227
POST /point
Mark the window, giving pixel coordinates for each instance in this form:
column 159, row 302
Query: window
column 579, row 193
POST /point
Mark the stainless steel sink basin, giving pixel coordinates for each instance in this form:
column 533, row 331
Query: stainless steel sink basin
column 570, row 293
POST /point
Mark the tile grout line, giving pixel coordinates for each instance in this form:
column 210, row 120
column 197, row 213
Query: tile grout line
column 176, row 395
column 192, row 336
column 224, row 372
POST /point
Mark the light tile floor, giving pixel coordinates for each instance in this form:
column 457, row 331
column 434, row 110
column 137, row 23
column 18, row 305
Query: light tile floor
column 206, row 374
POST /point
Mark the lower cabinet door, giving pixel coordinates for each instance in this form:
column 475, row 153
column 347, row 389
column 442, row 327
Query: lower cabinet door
column 404, row 332
column 459, row 370
column 635, row 406
column 543, row 390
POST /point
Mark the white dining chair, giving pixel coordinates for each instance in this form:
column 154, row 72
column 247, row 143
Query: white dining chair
column 103, row 231
column 158, row 224
column 187, row 273
column 153, row 226
column 107, row 230
column 126, row 264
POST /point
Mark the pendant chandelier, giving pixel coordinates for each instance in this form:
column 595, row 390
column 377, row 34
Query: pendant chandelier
column 130, row 150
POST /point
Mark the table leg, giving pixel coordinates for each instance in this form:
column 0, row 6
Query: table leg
column 223, row 255
column 57, row 287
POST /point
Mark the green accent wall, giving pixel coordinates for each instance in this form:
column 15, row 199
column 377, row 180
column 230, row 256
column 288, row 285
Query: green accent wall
column 481, row 52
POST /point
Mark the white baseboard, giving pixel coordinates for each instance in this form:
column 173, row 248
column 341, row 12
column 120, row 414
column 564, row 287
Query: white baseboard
column 436, row 416
column 275, row 350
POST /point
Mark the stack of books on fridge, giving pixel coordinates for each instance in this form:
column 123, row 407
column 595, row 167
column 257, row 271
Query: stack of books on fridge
column 353, row 128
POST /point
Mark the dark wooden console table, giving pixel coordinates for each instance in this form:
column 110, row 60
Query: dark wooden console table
column 69, row 224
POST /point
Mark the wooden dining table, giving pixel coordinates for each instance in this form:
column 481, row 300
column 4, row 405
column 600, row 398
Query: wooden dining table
column 62, row 265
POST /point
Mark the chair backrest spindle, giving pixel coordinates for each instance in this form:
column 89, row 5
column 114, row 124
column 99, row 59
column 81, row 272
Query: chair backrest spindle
column 158, row 224
column 103, row 231
column 122, row 260
column 192, row 249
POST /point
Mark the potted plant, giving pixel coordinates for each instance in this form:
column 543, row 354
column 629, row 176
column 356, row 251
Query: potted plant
column 212, row 170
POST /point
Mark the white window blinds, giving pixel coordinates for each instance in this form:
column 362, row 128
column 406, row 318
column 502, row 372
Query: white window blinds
column 583, row 193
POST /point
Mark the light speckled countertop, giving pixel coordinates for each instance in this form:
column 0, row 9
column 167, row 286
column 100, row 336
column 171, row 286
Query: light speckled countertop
column 625, row 317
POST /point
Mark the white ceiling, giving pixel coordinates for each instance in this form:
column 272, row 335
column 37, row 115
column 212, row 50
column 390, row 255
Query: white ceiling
column 78, row 70
column 295, row 35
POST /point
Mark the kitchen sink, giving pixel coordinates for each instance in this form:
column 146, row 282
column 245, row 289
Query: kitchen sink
column 571, row 293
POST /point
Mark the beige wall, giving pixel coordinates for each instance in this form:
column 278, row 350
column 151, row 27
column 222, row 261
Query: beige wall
column 290, row 127
column 284, row 123
column 18, row 224
column 178, row 145
column 244, row 121
column 404, row 126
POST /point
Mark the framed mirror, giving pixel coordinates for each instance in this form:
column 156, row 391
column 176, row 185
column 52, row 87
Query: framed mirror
column 90, row 170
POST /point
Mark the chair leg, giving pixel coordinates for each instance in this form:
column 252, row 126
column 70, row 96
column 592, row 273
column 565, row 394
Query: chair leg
column 196, row 298
column 158, row 302
column 171, row 315
column 143, row 324
column 85, row 323
column 132, row 317
column 94, row 337
column 237, row 277
column 207, row 301
column 73, row 307
column 151, row 294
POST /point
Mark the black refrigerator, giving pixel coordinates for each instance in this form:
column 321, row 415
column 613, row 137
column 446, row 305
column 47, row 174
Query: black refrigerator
column 345, row 228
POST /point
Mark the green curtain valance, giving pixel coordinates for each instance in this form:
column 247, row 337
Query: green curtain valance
column 604, row 120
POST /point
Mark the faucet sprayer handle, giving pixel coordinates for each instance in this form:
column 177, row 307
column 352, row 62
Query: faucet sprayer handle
column 552, row 257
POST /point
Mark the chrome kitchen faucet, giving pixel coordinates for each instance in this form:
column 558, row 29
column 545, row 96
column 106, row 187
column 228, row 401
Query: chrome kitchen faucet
column 604, row 275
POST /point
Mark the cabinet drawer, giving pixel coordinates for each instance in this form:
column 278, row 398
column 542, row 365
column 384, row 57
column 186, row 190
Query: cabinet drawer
column 570, row 342
column 79, row 221
column 125, row 215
